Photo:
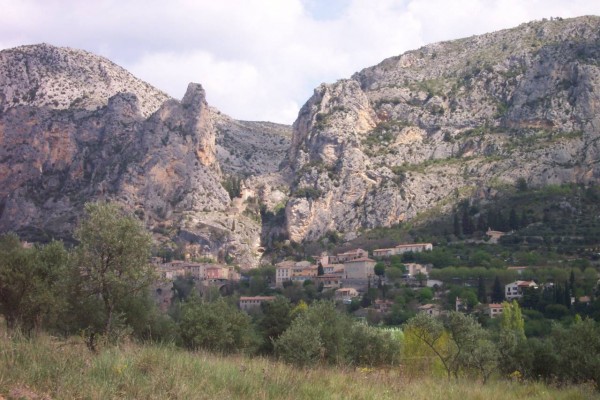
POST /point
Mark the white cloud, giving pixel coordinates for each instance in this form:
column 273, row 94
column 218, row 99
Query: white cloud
column 260, row 59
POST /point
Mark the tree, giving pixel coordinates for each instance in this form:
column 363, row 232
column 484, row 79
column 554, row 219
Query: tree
column 31, row 283
column 456, row 225
column 458, row 341
column 481, row 293
column 497, row 291
column 512, row 334
column 425, row 295
column 513, row 220
column 111, row 267
column 379, row 269
column 327, row 328
column 216, row 326
column 276, row 318
column 320, row 269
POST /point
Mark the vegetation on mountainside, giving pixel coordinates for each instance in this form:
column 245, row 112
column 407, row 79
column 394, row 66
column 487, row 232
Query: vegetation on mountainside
column 102, row 295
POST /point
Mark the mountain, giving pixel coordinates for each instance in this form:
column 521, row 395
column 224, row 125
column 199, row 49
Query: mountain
column 412, row 136
column 452, row 120
column 62, row 78
column 74, row 127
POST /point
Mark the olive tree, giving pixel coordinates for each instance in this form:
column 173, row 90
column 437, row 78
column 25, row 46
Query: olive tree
column 111, row 269
column 31, row 282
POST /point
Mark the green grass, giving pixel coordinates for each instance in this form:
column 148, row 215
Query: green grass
column 62, row 369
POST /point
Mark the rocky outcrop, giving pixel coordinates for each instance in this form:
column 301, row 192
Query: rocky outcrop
column 417, row 132
column 62, row 78
column 250, row 148
column 158, row 161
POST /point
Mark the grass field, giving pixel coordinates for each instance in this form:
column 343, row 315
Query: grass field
column 49, row 368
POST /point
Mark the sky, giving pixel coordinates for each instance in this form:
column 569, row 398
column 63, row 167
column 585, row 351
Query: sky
column 260, row 59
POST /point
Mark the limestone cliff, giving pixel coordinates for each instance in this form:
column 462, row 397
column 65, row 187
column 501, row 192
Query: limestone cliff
column 122, row 141
column 419, row 131
column 63, row 78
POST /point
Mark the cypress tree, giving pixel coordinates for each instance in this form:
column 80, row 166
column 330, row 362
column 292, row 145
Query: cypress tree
column 457, row 230
column 497, row 291
column 481, row 294
column 513, row 221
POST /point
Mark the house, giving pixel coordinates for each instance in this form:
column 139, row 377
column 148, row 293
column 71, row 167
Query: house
column 383, row 306
column 413, row 269
column 304, row 274
column 343, row 257
column 283, row 272
column 329, row 281
column 360, row 268
column 515, row 290
column 401, row 249
column 493, row 310
column 294, row 271
column 249, row 303
column 345, row 295
column 494, row 235
column 430, row 309
column 333, row 269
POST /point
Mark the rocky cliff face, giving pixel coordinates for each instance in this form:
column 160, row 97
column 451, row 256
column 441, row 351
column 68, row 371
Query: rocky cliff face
column 122, row 141
column 62, row 78
column 450, row 120
column 410, row 136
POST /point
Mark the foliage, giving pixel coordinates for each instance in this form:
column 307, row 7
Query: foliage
column 31, row 283
column 58, row 368
column 322, row 334
column 110, row 270
column 216, row 326
column 458, row 341
column 233, row 185
column 275, row 319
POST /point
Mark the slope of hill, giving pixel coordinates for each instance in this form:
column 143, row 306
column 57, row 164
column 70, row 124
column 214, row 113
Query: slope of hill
column 423, row 130
column 44, row 368
column 63, row 78
column 74, row 128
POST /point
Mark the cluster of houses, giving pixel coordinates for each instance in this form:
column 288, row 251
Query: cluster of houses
column 512, row 291
column 204, row 272
column 349, row 273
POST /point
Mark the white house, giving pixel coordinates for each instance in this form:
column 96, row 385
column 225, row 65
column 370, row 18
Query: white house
column 515, row 290
column 402, row 248
column 494, row 310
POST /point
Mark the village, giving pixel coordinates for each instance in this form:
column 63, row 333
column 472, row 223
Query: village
column 367, row 285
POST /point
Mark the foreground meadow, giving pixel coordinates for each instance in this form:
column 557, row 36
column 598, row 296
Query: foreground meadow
column 49, row 368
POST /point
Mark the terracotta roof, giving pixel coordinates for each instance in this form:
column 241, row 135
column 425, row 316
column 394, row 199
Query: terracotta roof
column 495, row 305
column 526, row 283
column 359, row 260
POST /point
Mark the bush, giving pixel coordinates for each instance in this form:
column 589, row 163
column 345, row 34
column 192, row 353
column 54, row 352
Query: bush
column 217, row 327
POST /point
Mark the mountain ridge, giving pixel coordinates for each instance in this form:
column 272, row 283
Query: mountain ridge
column 416, row 133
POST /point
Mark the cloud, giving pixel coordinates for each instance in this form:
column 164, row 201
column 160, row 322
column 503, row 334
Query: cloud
column 260, row 59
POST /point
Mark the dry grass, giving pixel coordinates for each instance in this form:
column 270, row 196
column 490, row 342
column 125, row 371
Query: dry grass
column 46, row 368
